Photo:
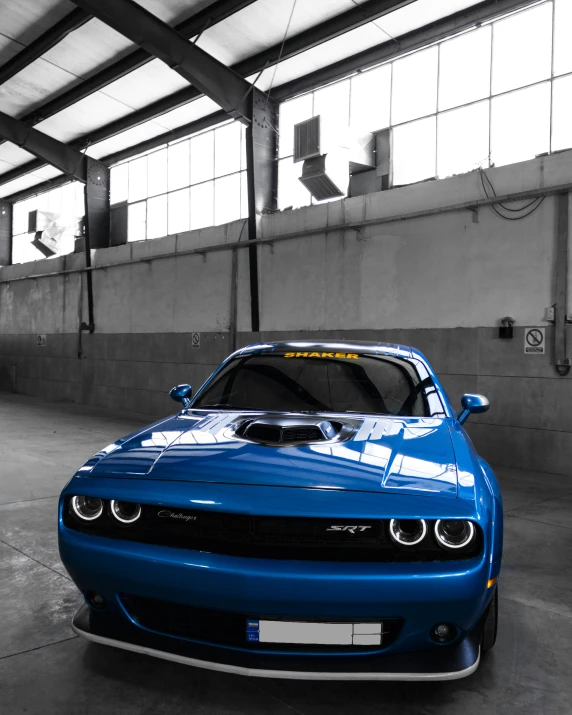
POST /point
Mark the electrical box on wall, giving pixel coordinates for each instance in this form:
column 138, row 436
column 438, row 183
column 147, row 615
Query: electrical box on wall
column 506, row 330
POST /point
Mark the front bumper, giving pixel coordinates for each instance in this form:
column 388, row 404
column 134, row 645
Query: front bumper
column 420, row 594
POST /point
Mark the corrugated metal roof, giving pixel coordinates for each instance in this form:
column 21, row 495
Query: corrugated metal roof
column 94, row 46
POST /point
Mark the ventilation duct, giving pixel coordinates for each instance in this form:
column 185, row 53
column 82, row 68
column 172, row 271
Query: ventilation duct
column 330, row 154
column 307, row 139
column 54, row 232
column 327, row 176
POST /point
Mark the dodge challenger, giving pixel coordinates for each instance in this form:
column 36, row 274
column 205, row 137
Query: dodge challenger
column 315, row 511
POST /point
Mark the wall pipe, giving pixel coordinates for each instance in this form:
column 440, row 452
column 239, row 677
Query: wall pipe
column 355, row 226
column 561, row 362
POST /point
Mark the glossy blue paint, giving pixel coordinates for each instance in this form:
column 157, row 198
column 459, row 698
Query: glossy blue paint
column 182, row 393
column 412, row 455
column 391, row 467
column 473, row 405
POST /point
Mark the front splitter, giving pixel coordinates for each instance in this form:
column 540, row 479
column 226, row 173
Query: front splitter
column 445, row 663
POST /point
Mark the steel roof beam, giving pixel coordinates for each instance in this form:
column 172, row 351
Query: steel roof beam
column 75, row 166
column 211, row 15
column 198, row 125
column 459, row 22
column 334, row 27
column 328, row 30
column 42, row 44
column 46, row 148
column 211, row 77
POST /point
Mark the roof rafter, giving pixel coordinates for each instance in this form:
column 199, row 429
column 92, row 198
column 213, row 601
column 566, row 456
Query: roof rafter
column 209, row 16
column 228, row 89
column 459, row 22
column 49, row 150
column 42, row 44
column 334, row 27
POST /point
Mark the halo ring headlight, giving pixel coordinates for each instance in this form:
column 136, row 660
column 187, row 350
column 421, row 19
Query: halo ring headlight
column 454, row 533
column 87, row 508
column 408, row 532
column 125, row 512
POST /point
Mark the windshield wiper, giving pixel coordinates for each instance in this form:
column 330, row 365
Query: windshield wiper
column 219, row 405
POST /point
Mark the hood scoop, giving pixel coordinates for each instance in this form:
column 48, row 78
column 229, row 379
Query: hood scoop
column 283, row 430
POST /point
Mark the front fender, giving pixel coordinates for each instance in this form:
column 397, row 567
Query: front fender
column 477, row 482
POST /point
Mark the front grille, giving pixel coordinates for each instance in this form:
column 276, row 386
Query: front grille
column 229, row 629
column 270, row 537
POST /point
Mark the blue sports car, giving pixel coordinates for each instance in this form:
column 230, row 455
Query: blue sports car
column 315, row 511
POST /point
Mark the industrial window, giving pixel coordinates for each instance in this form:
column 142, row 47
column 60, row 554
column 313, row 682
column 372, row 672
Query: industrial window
column 520, row 124
column 463, row 139
column 522, row 49
column 369, row 111
column 562, row 44
column 59, row 212
column 414, row 86
column 415, row 142
column 562, row 113
column 465, row 69
column 191, row 184
column 490, row 96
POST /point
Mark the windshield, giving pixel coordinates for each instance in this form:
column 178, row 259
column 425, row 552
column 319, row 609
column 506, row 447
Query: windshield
column 317, row 382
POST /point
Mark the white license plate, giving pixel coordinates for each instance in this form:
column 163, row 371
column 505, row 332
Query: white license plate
column 303, row 632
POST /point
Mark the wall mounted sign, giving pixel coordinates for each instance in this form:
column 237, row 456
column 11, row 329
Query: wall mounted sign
column 535, row 341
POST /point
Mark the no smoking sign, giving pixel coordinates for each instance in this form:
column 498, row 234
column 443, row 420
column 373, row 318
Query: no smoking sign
column 535, row 341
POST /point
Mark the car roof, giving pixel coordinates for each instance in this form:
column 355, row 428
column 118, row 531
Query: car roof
column 362, row 346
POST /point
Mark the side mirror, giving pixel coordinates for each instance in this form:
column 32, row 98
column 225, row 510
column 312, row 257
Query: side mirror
column 182, row 393
column 472, row 405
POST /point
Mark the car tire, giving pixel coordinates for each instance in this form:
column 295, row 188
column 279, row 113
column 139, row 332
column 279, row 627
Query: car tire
column 490, row 626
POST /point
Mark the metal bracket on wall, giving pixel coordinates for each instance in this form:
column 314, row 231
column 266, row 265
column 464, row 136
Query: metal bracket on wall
column 360, row 233
column 475, row 211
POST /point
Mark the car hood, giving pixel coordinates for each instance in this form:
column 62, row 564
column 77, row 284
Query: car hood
column 384, row 454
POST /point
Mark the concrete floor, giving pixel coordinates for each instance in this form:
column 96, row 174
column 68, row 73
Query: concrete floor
column 45, row 669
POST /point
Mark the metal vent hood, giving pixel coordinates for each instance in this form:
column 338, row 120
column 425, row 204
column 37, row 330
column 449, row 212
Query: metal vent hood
column 330, row 154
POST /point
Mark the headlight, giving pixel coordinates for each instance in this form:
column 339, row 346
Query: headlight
column 454, row 534
column 125, row 512
column 87, row 508
column 407, row 532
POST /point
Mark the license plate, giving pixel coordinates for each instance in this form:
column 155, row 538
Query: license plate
column 308, row 633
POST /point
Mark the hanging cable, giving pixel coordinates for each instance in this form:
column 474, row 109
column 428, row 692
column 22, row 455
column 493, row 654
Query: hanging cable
column 507, row 208
column 280, row 53
column 535, row 203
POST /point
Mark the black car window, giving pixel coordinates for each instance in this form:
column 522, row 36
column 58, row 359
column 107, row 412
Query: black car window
column 364, row 383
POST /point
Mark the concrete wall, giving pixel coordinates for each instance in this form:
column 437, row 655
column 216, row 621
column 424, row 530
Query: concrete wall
column 440, row 283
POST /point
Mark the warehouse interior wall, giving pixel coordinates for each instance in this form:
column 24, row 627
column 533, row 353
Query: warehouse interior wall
column 413, row 280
